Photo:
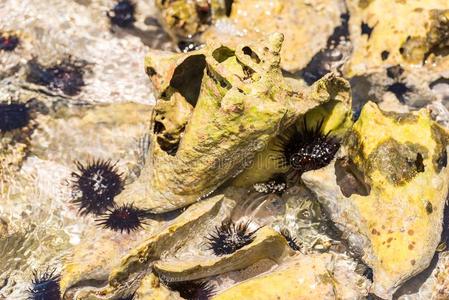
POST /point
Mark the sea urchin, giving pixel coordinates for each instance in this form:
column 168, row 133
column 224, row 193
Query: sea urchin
column 193, row 290
column 229, row 237
column 123, row 218
column 309, row 149
column 95, row 186
column 45, row 286
column 123, row 13
column 13, row 116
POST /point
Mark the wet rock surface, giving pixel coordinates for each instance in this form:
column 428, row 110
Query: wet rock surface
column 215, row 149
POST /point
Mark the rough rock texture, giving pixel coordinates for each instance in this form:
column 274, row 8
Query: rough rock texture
column 239, row 100
column 388, row 194
column 399, row 47
column 252, row 19
column 316, row 276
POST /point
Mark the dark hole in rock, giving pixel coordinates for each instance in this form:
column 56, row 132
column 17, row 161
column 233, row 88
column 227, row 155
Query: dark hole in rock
column 248, row 51
column 395, row 72
column 399, row 89
column 13, row 116
column 218, row 79
column 8, row 42
column 223, row 53
column 248, row 72
column 150, row 71
column 442, row 160
column 368, row 273
column 188, row 76
column 166, row 146
column 429, row 207
column 366, row 29
column 330, row 58
column 350, row 179
column 122, row 14
column 419, row 163
column 187, row 46
column 158, row 127
column 66, row 76
column 441, row 87
column 384, row 55
column 228, row 7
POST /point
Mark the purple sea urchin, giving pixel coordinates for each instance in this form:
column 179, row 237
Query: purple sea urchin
column 66, row 76
column 122, row 14
column 309, row 149
column 13, row 116
column 95, row 186
column 192, row 290
column 123, row 218
column 229, row 237
column 292, row 242
column 45, row 286
column 8, row 42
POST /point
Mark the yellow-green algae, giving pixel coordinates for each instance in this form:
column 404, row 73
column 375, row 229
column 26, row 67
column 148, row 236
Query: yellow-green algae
column 240, row 101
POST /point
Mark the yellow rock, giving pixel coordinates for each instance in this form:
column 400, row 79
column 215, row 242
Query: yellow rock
column 395, row 218
column 268, row 244
column 315, row 276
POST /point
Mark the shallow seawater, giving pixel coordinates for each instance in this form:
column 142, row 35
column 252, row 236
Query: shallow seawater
column 73, row 117
column 74, row 95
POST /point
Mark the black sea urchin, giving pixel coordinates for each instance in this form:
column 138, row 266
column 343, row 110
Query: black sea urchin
column 123, row 218
column 66, row 76
column 95, row 186
column 122, row 14
column 229, row 237
column 192, row 290
column 13, row 116
column 309, row 149
column 8, row 42
column 292, row 242
column 45, row 286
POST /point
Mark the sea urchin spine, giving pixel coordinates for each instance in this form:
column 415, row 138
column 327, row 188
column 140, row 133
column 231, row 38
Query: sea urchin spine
column 310, row 149
column 123, row 218
column 96, row 185
column 45, row 286
column 292, row 242
column 229, row 237
column 192, row 290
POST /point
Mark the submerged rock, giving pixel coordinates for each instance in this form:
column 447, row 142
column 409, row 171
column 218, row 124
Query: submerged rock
column 387, row 192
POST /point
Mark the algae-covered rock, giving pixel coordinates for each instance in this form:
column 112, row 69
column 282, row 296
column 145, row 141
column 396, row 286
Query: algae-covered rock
column 123, row 258
column 268, row 244
column 316, row 276
column 335, row 118
column 217, row 107
column 387, row 192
